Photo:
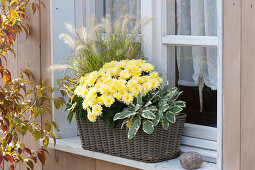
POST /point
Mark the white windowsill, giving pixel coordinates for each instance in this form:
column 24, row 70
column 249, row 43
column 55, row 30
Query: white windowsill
column 73, row 145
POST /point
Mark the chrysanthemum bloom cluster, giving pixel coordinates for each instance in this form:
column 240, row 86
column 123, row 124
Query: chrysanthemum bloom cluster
column 120, row 81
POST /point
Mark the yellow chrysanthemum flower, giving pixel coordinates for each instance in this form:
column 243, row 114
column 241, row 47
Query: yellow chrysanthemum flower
column 146, row 87
column 78, row 90
column 91, row 116
column 84, row 92
column 104, row 88
column 122, row 91
column 154, row 83
column 97, row 110
column 93, row 75
column 108, row 101
column 127, row 98
column 125, row 74
column 85, row 104
column 117, row 80
column 146, row 78
column 147, row 67
column 117, row 95
column 154, row 74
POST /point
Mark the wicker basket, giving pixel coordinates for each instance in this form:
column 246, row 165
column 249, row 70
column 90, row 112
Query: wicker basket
column 160, row 146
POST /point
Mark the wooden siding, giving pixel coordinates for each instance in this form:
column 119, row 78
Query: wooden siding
column 238, row 86
column 248, row 86
column 231, row 84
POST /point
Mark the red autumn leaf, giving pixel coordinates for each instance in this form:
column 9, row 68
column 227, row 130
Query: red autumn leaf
column 30, row 164
column 1, row 159
column 33, row 8
column 28, row 151
column 34, row 158
column 4, row 127
column 9, row 158
column 42, row 157
column 11, row 167
column 8, row 138
column 19, row 150
column 9, row 35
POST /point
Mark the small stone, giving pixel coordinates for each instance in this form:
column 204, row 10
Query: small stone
column 191, row 160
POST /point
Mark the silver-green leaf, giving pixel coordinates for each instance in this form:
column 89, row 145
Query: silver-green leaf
column 123, row 123
column 148, row 126
column 156, row 120
column 124, row 114
column 176, row 109
column 151, row 108
column 164, row 106
column 180, row 103
column 139, row 99
column 148, row 114
column 165, row 123
column 170, row 117
column 133, row 129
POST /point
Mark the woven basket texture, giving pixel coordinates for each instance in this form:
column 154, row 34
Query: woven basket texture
column 161, row 145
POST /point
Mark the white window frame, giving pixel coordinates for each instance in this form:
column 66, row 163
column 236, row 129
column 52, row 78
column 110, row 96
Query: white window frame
column 205, row 140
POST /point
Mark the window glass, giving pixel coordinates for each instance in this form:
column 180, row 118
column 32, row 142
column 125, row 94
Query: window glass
column 195, row 17
column 115, row 7
column 196, row 72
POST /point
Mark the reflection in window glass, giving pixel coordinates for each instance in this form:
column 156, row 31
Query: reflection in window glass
column 115, row 7
column 197, row 77
column 196, row 17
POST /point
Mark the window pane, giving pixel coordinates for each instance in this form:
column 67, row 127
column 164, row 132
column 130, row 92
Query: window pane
column 196, row 74
column 193, row 17
column 115, row 7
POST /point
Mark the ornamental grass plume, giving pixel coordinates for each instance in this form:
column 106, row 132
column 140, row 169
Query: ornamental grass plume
column 103, row 43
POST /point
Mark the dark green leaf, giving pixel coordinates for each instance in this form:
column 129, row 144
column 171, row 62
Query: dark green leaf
column 148, row 126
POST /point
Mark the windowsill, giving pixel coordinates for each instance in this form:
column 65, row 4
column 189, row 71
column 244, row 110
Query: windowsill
column 73, row 145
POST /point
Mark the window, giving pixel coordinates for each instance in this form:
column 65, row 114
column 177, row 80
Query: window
column 183, row 41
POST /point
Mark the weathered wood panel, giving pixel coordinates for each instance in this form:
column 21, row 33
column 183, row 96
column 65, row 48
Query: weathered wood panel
column 238, row 86
column 231, row 83
column 248, row 86
column 28, row 57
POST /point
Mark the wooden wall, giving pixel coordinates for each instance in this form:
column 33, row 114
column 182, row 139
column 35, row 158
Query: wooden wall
column 238, row 86
column 231, row 84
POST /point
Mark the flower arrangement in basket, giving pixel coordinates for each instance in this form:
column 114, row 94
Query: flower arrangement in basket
column 124, row 94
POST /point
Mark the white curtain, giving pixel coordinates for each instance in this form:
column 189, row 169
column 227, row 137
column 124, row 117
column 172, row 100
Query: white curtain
column 197, row 18
column 197, row 66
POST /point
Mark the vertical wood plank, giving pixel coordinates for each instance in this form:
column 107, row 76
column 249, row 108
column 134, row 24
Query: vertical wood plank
column 108, row 166
column 28, row 57
column 57, row 161
column 76, row 162
column 248, row 86
column 231, row 83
